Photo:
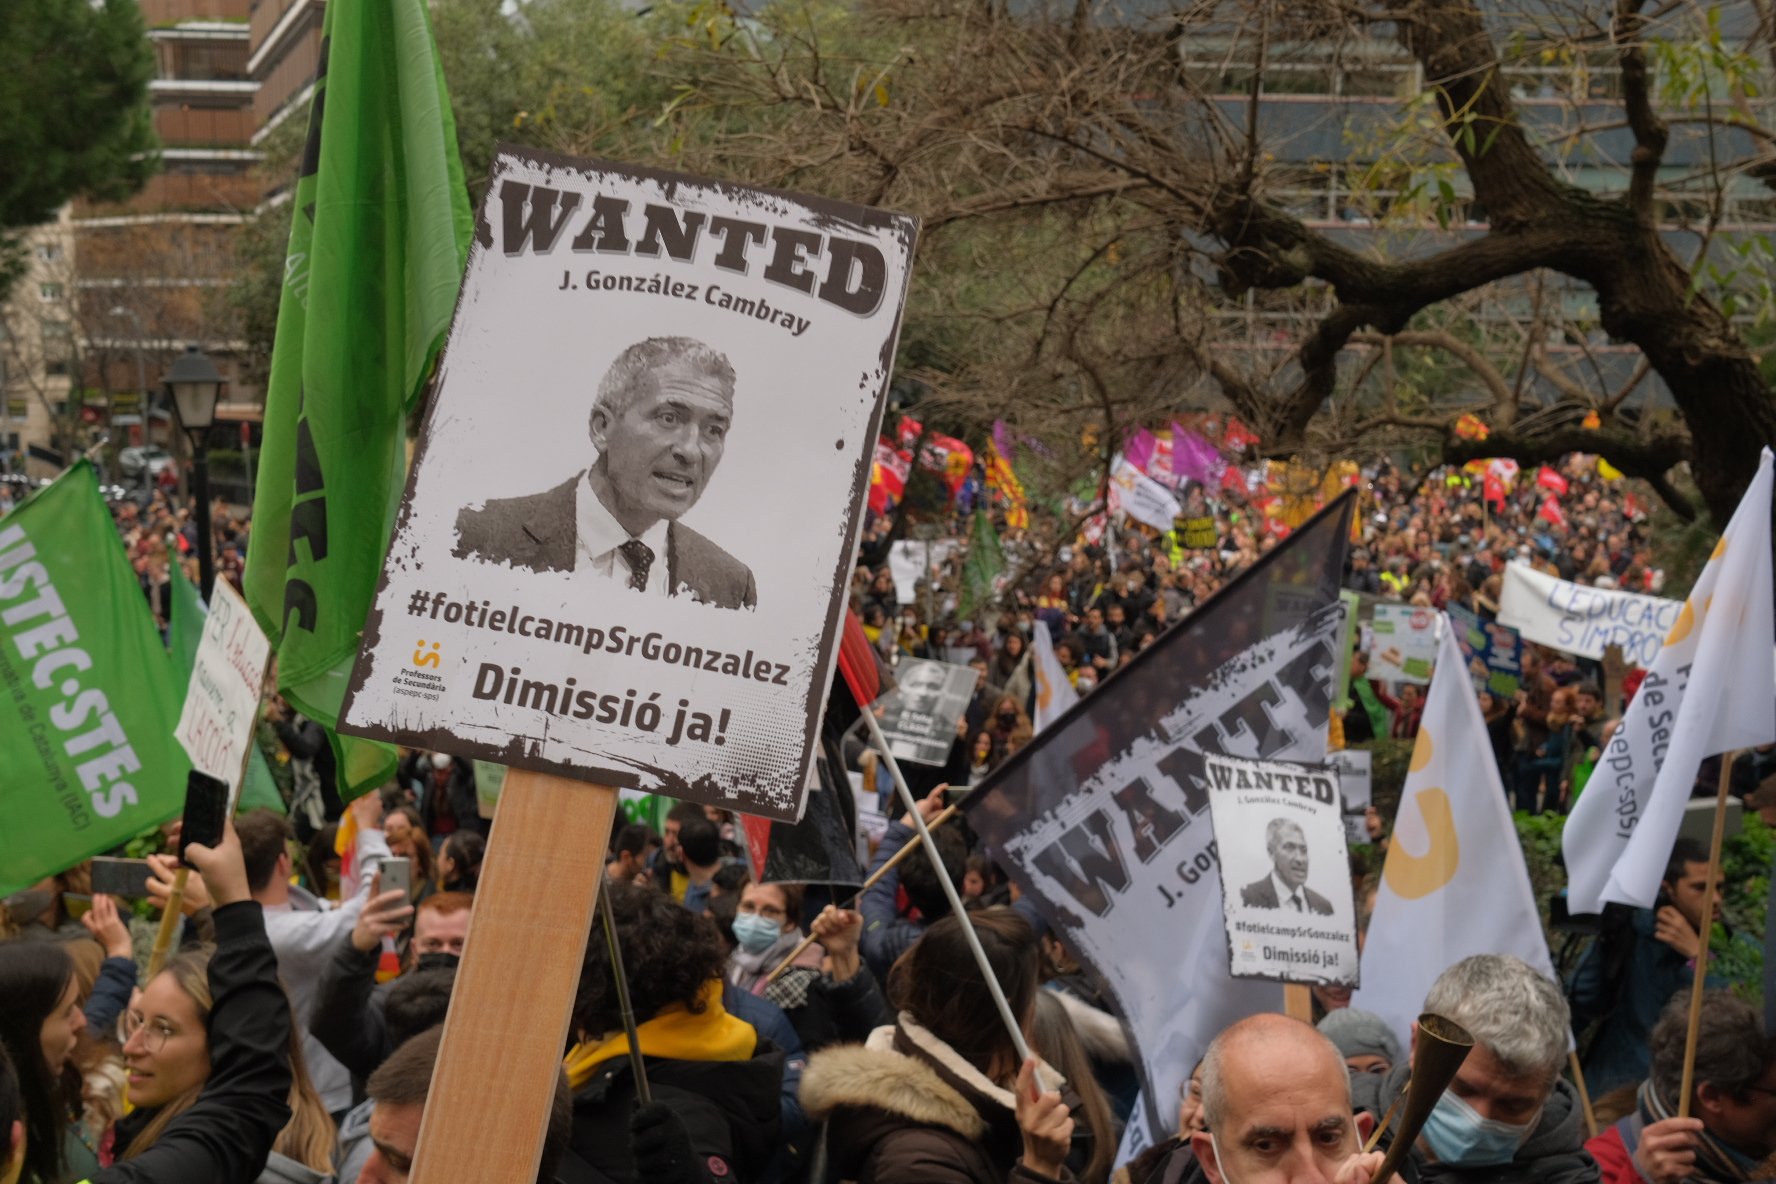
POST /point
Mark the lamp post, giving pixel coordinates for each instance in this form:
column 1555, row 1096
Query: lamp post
column 195, row 387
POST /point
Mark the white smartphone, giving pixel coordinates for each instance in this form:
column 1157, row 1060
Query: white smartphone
column 397, row 872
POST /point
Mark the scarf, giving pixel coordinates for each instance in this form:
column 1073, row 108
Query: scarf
column 676, row 1033
column 1715, row 1161
column 748, row 971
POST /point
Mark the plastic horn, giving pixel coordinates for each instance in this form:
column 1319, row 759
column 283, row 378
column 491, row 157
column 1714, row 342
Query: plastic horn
column 1441, row 1047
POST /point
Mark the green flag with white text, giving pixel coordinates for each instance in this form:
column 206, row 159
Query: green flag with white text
column 379, row 234
column 87, row 701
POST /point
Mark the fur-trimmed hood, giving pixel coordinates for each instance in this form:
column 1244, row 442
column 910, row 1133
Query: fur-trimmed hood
column 879, row 1076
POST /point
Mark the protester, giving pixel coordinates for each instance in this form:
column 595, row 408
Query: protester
column 939, row 1097
column 1095, row 1129
column 667, row 864
column 716, row 1112
column 627, row 860
column 1631, row 972
column 1731, row 1130
column 227, row 1132
column 1508, row 1115
column 887, row 931
column 1362, row 1038
column 699, row 846
column 398, row 1091
column 39, row 1026
column 459, row 863
column 406, row 837
column 765, row 933
column 416, row 1003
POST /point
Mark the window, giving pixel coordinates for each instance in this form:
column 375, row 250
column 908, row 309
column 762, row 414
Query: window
column 18, row 407
column 49, row 252
column 49, row 292
column 57, row 331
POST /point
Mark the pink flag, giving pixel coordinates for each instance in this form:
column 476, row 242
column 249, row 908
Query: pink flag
column 1138, row 448
column 1196, row 458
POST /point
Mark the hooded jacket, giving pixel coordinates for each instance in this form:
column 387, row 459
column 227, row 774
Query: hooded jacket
column 1554, row 1153
column 281, row 1169
column 905, row 1108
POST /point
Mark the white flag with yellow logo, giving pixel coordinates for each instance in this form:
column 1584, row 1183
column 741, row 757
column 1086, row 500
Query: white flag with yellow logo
column 1054, row 694
column 1454, row 883
column 1707, row 692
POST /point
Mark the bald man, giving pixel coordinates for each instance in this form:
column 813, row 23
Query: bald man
column 1276, row 1097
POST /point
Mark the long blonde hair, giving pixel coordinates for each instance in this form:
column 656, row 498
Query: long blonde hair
column 308, row 1138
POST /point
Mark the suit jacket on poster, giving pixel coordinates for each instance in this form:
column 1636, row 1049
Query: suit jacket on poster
column 539, row 532
column 1262, row 894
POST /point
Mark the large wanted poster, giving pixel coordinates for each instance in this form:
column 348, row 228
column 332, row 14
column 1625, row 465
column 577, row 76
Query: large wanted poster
column 1285, row 871
column 624, row 545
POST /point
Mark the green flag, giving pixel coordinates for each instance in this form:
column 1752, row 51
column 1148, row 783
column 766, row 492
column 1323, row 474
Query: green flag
column 87, row 702
column 982, row 566
column 184, row 635
column 379, row 234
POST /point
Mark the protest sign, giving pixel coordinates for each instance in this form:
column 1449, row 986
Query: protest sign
column 1402, row 643
column 912, row 560
column 1199, row 533
column 222, row 701
column 1493, row 652
column 1356, row 784
column 1103, row 820
column 922, row 712
column 1579, row 619
column 1279, row 833
column 87, row 756
column 1139, row 496
column 587, row 577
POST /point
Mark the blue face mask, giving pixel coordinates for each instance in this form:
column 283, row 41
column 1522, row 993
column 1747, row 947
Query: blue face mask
column 1459, row 1136
column 754, row 933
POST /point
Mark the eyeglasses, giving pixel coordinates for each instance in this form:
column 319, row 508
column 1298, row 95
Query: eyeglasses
column 154, row 1034
column 768, row 911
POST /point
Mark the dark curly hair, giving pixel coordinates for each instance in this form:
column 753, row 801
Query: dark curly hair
column 668, row 954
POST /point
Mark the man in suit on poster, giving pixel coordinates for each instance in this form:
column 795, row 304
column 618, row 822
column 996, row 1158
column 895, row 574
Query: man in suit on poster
column 659, row 422
column 1286, row 885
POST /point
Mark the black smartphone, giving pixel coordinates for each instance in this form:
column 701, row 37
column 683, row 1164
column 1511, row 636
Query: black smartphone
column 206, row 811
column 121, row 877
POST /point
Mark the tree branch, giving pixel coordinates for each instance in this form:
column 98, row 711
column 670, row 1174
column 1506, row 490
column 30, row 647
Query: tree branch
column 1650, row 132
column 1650, row 460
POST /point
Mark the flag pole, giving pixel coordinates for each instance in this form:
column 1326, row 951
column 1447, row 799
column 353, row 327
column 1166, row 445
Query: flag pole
column 955, row 898
column 1704, row 930
column 643, row 1093
column 875, row 877
column 1572, row 1060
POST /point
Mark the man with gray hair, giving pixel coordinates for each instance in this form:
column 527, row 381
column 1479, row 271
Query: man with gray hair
column 1286, row 886
column 1276, row 1100
column 660, row 424
column 1507, row 1118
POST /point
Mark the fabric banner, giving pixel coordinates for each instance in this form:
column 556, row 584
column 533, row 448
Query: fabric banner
column 87, row 756
column 222, row 694
column 1707, row 691
column 1285, row 871
column 1492, row 652
column 378, row 232
column 1402, row 643
column 1103, row 819
column 1579, row 619
column 593, row 574
column 1454, row 882
column 1140, row 497
column 911, row 560
column 1054, row 691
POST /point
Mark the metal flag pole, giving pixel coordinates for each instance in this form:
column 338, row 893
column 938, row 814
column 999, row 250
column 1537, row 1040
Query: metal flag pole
column 955, row 898
column 643, row 1094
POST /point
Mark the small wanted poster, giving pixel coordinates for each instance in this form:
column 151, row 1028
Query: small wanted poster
column 624, row 547
column 1285, row 871
column 920, row 715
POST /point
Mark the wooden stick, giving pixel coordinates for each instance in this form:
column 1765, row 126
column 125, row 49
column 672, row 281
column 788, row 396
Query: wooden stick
column 1298, row 1002
column 1375, row 1135
column 893, row 862
column 1700, row 982
column 163, row 937
column 643, row 1092
column 507, row 1027
column 1572, row 1061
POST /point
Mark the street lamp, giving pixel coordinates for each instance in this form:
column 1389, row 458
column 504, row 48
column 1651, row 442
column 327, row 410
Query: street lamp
column 195, row 387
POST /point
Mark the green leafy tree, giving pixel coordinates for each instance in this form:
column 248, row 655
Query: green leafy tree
column 74, row 116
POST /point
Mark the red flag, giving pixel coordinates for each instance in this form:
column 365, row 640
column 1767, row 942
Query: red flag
column 1232, row 478
column 1492, row 488
column 857, row 663
column 1551, row 511
column 1630, row 505
column 1237, row 436
column 758, row 841
column 888, row 476
column 1548, row 479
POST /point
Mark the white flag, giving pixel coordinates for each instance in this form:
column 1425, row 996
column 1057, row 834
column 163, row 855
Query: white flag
column 1708, row 691
column 1134, row 493
column 1454, row 883
column 1054, row 694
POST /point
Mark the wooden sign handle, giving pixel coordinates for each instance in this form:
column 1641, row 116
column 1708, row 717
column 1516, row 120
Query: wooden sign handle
column 1298, row 1003
column 506, row 1031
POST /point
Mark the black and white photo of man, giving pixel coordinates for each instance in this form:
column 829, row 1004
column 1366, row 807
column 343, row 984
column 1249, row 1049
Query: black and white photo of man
column 1286, row 885
column 659, row 423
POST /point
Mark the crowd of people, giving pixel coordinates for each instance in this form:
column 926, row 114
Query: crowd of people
column 292, row 1035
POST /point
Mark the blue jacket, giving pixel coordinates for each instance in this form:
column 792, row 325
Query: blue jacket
column 886, row 934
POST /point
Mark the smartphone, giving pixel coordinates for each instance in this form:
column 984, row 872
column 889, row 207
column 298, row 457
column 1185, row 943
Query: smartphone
column 954, row 794
column 121, row 877
column 206, row 811
column 397, row 872
column 76, row 905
